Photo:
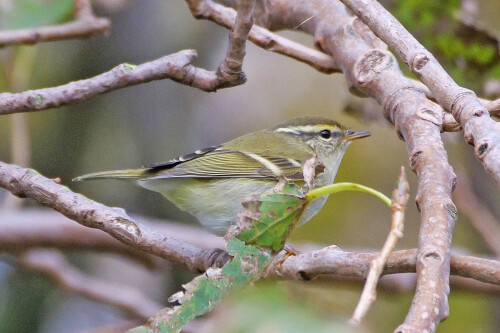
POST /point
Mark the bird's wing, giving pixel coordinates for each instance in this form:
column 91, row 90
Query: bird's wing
column 173, row 162
column 227, row 163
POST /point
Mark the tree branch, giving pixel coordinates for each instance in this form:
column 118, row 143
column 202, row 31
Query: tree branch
column 38, row 228
column 229, row 73
column 175, row 67
column 333, row 262
column 230, row 70
column 225, row 17
column 114, row 221
column 27, row 229
column 85, row 25
column 479, row 129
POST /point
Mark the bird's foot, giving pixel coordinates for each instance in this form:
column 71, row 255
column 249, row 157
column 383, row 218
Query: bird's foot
column 289, row 251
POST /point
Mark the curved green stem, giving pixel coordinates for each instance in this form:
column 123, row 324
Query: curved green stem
column 339, row 187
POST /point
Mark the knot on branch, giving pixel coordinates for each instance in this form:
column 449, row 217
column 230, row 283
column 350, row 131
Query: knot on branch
column 36, row 101
column 215, row 258
column 14, row 187
column 414, row 158
column 480, row 113
column 418, row 62
column 367, row 68
column 454, row 183
column 33, row 37
column 268, row 43
column 320, row 43
column 457, row 106
column 431, row 113
column 451, row 209
column 431, row 256
column 304, row 276
column 200, row 9
column 481, row 149
column 230, row 74
column 125, row 229
column 15, row 184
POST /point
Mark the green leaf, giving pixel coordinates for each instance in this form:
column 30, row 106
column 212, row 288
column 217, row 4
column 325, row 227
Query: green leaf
column 269, row 217
column 206, row 291
column 21, row 14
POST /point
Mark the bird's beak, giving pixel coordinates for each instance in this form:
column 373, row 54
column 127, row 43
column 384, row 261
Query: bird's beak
column 355, row 135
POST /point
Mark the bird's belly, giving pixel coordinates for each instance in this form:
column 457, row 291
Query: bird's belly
column 215, row 203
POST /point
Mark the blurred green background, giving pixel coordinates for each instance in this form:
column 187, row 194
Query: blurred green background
column 161, row 120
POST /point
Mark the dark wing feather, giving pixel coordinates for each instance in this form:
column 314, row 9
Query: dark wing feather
column 173, row 162
column 226, row 163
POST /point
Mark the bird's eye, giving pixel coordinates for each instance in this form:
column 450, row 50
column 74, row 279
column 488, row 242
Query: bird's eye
column 325, row 134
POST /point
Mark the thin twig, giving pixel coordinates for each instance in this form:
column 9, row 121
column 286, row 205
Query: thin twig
column 85, row 25
column 399, row 201
column 175, row 67
column 125, row 298
column 224, row 16
column 229, row 73
column 230, row 70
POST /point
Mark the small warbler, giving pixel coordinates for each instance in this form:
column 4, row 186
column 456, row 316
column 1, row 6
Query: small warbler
column 211, row 183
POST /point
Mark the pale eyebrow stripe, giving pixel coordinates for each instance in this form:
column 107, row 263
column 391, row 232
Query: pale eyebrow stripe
column 305, row 128
column 297, row 129
column 287, row 130
column 276, row 170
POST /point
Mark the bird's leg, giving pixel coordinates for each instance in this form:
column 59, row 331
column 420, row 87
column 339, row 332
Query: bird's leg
column 289, row 251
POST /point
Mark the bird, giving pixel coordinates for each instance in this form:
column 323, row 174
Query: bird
column 211, row 183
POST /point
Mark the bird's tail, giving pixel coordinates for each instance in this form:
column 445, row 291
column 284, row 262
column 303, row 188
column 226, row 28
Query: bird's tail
column 130, row 174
